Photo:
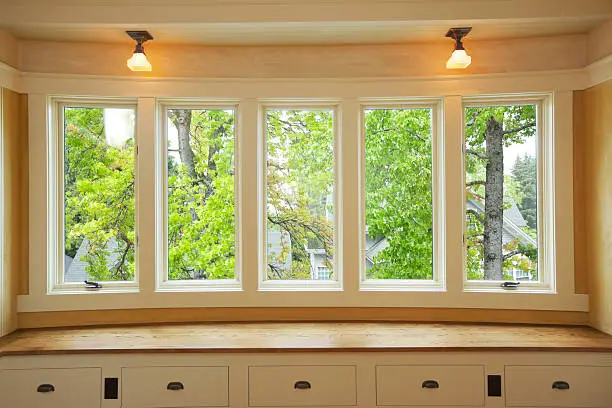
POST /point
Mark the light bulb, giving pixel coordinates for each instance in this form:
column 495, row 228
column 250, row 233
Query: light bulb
column 139, row 62
column 460, row 59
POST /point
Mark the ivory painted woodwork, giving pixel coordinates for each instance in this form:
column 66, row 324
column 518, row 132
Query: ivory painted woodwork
column 307, row 365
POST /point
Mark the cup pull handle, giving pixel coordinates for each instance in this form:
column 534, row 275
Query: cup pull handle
column 175, row 386
column 430, row 384
column 44, row 388
column 302, row 385
column 560, row 385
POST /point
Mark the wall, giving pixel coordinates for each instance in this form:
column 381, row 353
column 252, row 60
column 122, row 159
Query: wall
column 593, row 221
column 330, row 61
column 15, row 149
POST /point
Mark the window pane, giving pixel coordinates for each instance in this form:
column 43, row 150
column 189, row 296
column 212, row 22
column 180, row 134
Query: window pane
column 501, row 193
column 98, row 149
column 201, row 243
column 300, row 182
column 398, row 179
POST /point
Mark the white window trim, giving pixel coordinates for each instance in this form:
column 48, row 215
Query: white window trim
column 55, row 197
column 250, row 94
column 335, row 284
column 163, row 284
column 438, row 283
column 546, row 193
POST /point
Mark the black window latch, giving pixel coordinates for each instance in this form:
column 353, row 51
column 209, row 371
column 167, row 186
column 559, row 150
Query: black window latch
column 92, row 285
column 510, row 285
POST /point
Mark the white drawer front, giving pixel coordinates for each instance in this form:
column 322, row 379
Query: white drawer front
column 532, row 386
column 430, row 385
column 165, row 387
column 51, row 388
column 300, row 386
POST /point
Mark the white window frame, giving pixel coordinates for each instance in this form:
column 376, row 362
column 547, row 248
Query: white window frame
column 251, row 95
column 546, row 193
column 335, row 284
column 438, row 281
column 55, row 197
column 163, row 284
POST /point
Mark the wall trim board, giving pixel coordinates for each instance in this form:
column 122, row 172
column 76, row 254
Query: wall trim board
column 102, row 85
column 520, row 82
column 600, row 71
column 289, row 314
column 10, row 78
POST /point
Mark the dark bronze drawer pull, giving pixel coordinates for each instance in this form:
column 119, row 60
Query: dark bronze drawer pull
column 430, row 384
column 560, row 385
column 302, row 385
column 175, row 386
column 45, row 388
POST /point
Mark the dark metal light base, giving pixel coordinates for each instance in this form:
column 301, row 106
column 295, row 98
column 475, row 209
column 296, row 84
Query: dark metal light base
column 140, row 36
column 458, row 33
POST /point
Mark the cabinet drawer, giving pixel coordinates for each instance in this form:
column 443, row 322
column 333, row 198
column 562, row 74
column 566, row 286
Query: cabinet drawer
column 51, row 388
column 165, row 387
column 300, row 386
column 430, row 385
column 532, row 386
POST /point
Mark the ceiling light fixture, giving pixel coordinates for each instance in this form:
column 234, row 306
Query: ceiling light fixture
column 459, row 59
column 138, row 61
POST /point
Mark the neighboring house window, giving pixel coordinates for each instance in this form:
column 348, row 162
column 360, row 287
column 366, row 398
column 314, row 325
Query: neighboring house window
column 502, row 192
column 200, row 184
column 97, row 213
column 399, row 222
column 322, row 273
column 299, row 195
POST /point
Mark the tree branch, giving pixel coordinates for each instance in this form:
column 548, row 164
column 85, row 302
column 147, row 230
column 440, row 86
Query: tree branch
column 475, row 183
column 520, row 128
column 477, row 154
column 476, row 215
column 511, row 254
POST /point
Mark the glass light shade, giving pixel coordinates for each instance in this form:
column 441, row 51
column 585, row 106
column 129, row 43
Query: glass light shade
column 139, row 62
column 460, row 59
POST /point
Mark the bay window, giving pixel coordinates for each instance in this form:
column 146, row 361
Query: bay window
column 313, row 202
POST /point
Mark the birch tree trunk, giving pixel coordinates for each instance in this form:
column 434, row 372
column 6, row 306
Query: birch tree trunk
column 494, row 201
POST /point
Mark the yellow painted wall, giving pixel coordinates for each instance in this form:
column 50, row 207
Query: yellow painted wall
column 15, row 130
column 593, row 198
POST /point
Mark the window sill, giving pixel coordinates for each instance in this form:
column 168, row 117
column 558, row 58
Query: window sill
column 225, row 285
column 393, row 285
column 300, row 286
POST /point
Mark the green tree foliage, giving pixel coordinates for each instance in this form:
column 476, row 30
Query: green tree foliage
column 201, row 197
column 525, row 173
column 398, row 177
column 519, row 124
column 98, row 196
column 300, row 181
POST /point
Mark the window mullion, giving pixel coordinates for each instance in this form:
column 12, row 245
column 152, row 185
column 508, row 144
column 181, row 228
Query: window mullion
column 455, row 192
column 249, row 178
column 145, row 194
column 348, row 163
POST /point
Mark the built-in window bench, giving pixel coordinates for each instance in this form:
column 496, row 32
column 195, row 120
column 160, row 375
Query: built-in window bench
column 307, row 364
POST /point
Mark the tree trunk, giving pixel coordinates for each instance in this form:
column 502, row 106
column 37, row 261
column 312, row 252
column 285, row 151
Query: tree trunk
column 494, row 201
column 182, row 120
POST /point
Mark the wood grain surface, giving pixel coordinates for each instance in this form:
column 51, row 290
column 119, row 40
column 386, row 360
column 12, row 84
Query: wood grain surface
column 304, row 337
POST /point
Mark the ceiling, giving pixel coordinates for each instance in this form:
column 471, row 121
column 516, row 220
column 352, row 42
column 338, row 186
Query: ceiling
column 303, row 33
column 296, row 22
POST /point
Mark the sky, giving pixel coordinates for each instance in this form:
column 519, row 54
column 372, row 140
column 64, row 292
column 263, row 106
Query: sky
column 118, row 125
